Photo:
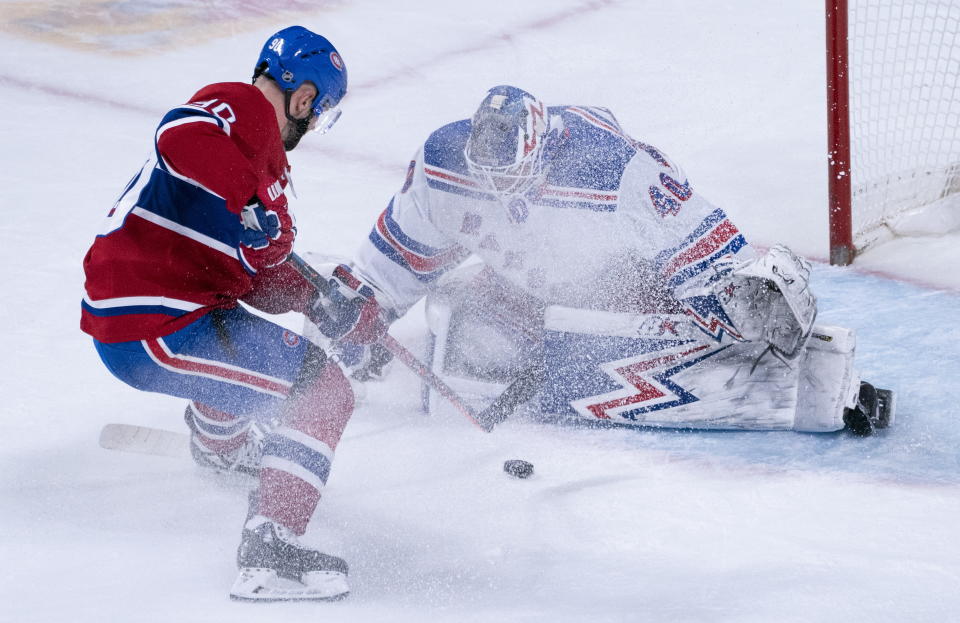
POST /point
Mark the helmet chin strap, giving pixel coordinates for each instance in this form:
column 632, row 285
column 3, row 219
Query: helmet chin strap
column 297, row 127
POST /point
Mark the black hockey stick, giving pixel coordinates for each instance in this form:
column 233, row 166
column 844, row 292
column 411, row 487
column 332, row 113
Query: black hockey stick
column 519, row 391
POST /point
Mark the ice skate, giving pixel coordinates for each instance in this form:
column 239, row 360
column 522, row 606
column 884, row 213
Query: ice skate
column 274, row 566
column 874, row 411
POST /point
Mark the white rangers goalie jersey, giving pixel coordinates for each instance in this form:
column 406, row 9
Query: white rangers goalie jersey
column 615, row 225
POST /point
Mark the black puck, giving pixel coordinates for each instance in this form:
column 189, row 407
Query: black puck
column 518, row 468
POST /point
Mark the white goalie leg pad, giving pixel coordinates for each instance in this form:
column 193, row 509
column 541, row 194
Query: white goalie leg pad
column 482, row 333
column 828, row 381
column 737, row 388
column 655, row 370
column 472, row 389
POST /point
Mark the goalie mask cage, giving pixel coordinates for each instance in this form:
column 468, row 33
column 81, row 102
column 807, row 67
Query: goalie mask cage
column 893, row 116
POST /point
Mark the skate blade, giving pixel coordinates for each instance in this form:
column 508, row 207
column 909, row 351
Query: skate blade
column 264, row 585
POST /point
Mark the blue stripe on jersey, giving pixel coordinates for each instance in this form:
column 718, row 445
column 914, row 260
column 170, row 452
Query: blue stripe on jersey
column 397, row 232
column 191, row 206
column 423, row 261
column 444, row 148
column 387, row 249
column 603, row 114
column 457, row 190
column 394, row 255
column 706, row 225
column 736, row 243
column 182, row 112
column 184, row 203
column 582, row 205
column 132, row 309
column 285, row 448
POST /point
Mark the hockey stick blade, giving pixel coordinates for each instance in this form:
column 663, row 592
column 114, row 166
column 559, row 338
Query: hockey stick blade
column 144, row 440
column 522, row 389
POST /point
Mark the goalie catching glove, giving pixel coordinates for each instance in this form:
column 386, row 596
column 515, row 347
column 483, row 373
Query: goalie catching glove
column 769, row 299
column 348, row 311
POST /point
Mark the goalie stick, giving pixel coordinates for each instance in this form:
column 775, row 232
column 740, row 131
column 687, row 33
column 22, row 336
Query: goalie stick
column 519, row 391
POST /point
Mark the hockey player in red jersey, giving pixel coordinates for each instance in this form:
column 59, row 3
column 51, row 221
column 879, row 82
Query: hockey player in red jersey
column 203, row 225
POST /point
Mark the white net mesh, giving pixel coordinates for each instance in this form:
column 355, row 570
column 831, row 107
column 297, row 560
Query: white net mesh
column 904, row 110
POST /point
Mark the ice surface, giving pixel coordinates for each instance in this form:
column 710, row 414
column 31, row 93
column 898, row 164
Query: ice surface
column 616, row 524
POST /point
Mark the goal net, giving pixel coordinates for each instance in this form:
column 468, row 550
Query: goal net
column 903, row 62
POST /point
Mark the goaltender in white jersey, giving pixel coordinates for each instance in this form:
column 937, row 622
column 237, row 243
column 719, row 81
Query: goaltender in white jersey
column 601, row 267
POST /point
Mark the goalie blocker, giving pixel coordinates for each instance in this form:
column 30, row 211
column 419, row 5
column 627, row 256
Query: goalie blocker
column 661, row 369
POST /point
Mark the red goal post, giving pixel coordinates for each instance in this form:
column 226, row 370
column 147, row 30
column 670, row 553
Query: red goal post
column 893, row 120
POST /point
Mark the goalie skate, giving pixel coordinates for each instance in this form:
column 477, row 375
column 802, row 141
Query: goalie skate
column 875, row 410
column 275, row 567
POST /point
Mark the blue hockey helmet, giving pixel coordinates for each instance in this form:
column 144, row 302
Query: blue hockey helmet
column 295, row 56
column 507, row 136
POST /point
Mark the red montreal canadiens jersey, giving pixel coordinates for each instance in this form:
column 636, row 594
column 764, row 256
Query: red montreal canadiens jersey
column 169, row 251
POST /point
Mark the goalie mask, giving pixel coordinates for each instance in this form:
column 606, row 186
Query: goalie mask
column 505, row 150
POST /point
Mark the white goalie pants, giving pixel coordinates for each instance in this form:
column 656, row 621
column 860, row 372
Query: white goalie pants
column 654, row 370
